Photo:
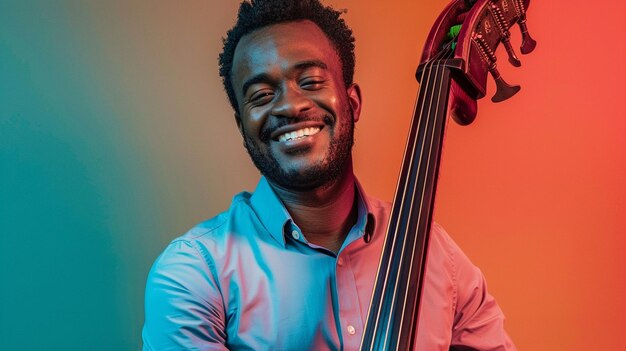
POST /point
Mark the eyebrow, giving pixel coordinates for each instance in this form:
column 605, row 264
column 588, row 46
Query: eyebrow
column 311, row 63
column 259, row 78
column 264, row 77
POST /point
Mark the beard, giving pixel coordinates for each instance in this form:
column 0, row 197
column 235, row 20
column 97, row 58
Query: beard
column 316, row 175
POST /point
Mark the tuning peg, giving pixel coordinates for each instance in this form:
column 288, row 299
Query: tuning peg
column 503, row 89
column 509, row 50
column 506, row 35
column 528, row 43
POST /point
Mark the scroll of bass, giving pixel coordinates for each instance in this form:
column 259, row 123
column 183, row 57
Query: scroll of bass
column 457, row 58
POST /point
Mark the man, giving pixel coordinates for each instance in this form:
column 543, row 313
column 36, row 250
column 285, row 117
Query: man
column 292, row 266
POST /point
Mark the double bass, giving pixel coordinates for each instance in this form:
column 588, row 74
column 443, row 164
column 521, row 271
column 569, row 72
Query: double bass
column 458, row 56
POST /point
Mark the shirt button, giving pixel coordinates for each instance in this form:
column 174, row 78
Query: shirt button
column 295, row 234
column 351, row 329
column 340, row 261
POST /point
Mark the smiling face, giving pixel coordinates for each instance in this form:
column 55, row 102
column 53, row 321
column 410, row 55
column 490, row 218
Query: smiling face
column 295, row 113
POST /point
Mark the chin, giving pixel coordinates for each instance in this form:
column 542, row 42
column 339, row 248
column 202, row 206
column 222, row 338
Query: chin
column 301, row 180
column 314, row 177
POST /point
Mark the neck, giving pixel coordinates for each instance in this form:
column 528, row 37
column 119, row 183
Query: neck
column 325, row 214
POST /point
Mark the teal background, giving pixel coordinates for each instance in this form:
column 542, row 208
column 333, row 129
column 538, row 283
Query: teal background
column 103, row 155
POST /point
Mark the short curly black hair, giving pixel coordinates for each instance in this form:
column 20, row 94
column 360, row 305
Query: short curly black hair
column 255, row 14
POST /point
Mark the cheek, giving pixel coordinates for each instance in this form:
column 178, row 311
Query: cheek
column 330, row 102
column 253, row 121
column 334, row 101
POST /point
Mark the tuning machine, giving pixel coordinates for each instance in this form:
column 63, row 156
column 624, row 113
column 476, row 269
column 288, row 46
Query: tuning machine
column 506, row 35
column 528, row 43
column 503, row 89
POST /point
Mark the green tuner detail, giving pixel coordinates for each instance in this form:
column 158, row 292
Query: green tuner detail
column 453, row 32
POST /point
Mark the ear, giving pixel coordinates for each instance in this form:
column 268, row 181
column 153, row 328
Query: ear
column 354, row 99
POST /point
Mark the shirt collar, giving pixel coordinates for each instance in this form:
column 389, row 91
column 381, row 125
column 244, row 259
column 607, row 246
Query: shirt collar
column 275, row 217
column 366, row 221
column 270, row 209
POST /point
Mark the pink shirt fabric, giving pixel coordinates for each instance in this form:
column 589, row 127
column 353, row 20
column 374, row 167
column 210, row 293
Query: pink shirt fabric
column 248, row 280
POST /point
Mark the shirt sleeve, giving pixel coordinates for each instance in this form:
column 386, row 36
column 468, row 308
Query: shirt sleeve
column 184, row 309
column 478, row 320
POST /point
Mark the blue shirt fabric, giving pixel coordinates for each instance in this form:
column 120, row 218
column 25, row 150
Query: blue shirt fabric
column 248, row 279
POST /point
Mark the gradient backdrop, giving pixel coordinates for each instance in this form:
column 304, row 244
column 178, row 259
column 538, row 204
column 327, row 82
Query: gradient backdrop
column 116, row 137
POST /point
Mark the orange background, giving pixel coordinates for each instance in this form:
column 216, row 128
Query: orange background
column 534, row 190
column 116, row 137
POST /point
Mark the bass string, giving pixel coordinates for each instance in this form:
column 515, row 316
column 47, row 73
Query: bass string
column 423, row 193
column 428, row 67
column 386, row 267
column 408, row 191
column 382, row 267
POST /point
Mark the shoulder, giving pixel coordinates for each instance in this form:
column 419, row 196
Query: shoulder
column 207, row 241
column 194, row 258
column 221, row 231
column 444, row 249
column 184, row 301
column 442, row 241
column 216, row 226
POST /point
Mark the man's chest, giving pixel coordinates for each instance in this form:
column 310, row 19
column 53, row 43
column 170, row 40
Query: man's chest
column 303, row 299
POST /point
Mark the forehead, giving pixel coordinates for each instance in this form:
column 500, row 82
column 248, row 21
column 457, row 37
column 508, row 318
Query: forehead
column 277, row 48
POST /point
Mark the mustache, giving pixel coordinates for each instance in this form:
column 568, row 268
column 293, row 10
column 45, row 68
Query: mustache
column 275, row 123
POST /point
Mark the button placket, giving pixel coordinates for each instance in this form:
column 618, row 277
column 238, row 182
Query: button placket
column 349, row 308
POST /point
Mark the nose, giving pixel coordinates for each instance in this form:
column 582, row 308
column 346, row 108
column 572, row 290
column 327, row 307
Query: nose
column 290, row 102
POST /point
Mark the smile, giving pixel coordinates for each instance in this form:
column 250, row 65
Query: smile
column 298, row 134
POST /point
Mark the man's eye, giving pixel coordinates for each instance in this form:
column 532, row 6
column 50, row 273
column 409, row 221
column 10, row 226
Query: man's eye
column 261, row 97
column 312, row 84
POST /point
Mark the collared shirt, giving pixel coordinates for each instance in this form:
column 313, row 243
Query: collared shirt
column 249, row 280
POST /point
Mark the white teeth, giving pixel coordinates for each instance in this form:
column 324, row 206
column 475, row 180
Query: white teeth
column 300, row 133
